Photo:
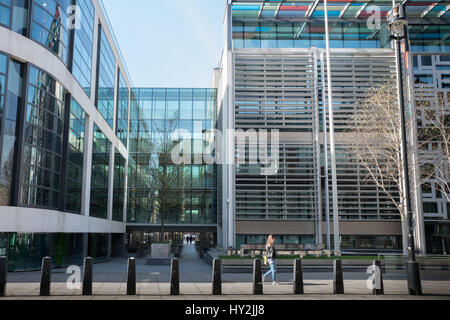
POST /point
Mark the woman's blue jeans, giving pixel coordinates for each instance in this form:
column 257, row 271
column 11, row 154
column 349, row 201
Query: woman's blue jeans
column 272, row 270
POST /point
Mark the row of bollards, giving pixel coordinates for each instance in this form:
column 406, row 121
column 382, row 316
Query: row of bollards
column 298, row 285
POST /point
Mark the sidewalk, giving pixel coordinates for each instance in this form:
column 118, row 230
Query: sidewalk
column 195, row 284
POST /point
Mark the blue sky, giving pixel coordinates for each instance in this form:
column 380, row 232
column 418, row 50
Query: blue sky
column 168, row 43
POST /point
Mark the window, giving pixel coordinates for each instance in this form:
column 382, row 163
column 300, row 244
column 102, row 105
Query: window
column 106, row 78
column 83, row 46
column 5, row 12
column 50, row 25
column 75, row 158
column 42, row 150
column 122, row 111
column 100, row 175
column 119, row 187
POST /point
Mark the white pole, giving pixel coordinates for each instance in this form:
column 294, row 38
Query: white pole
column 337, row 244
column 325, row 158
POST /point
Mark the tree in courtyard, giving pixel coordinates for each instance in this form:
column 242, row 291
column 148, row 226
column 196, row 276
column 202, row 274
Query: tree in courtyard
column 374, row 136
column 166, row 180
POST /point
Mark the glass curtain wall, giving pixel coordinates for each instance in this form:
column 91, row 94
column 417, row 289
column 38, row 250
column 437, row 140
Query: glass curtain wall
column 122, row 110
column 26, row 250
column 193, row 110
column 75, row 158
column 5, row 174
column 5, row 12
column 42, row 149
column 106, row 79
column 119, row 187
column 83, row 45
column 100, row 175
column 138, row 175
column 50, row 26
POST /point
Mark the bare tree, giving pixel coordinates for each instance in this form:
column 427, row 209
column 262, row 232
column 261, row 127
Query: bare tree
column 375, row 138
column 166, row 179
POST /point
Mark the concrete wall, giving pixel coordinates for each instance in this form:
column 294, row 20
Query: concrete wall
column 308, row 228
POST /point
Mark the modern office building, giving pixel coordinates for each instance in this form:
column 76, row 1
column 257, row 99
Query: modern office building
column 64, row 100
column 273, row 76
column 77, row 140
column 160, row 112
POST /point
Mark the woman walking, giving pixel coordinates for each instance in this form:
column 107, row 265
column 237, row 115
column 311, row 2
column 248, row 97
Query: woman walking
column 271, row 256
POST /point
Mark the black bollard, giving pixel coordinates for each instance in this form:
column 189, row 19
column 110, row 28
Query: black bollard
column 257, row 277
column 298, row 277
column 338, row 281
column 87, row 277
column 131, row 281
column 414, row 282
column 217, row 278
column 3, row 275
column 378, row 287
column 45, row 277
column 175, row 278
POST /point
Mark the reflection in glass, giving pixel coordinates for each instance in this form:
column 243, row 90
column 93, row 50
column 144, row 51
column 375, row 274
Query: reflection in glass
column 83, row 46
column 75, row 158
column 100, row 175
column 44, row 122
column 106, row 79
column 122, row 110
column 195, row 202
column 119, row 187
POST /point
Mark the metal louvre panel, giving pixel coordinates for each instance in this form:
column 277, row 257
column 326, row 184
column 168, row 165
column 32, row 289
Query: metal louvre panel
column 352, row 75
column 274, row 91
column 277, row 90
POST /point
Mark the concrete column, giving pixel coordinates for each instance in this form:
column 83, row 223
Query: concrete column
column 87, row 166
column 111, row 181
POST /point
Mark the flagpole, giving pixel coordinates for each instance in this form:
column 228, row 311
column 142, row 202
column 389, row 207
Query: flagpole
column 337, row 242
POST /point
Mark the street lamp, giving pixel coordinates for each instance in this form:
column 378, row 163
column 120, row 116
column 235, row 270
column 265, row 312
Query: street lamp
column 397, row 25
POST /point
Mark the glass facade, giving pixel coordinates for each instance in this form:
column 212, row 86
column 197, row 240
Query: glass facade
column 353, row 24
column 42, row 150
column 193, row 110
column 83, row 46
column 100, row 175
column 50, row 25
column 119, row 187
column 26, row 250
column 5, row 12
column 106, row 79
column 7, row 134
column 306, row 34
column 98, row 246
column 122, row 110
column 75, row 157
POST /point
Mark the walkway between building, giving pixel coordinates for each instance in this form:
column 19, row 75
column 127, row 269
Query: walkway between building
column 189, row 252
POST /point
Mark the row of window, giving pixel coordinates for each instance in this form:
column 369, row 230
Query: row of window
column 54, row 26
column 349, row 34
column 46, row 169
